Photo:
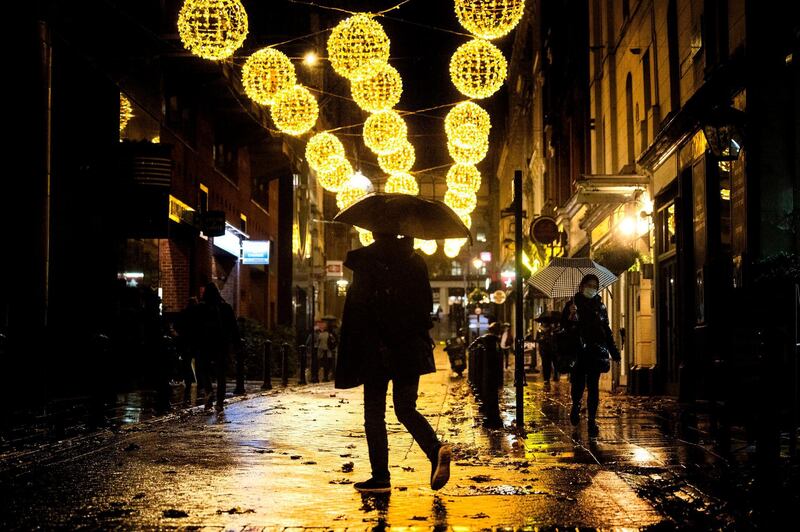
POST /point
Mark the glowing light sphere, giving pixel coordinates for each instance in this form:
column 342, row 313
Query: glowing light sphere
column 452, row 247
column 365, row 236
column 478, row 69
column 335, row 174
column 354, row 189
column 428, row 247
column 212, row 29
column 467, row 113
column 467, row 219
column 295, row 110
column 489, row 19
column 401, row 160
column 462, row 201
column 401, row 183
column 468, row 155
column 379, row 92
column 265, row 73
column 358, row 47
column 464, row 176
column 384, row 132
column 320, row 150
column 125, row 111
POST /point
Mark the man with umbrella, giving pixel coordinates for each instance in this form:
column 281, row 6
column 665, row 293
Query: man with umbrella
column 386, row 323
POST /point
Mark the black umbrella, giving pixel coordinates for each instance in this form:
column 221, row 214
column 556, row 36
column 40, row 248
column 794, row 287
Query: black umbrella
column 549, row 316
column 403, row 214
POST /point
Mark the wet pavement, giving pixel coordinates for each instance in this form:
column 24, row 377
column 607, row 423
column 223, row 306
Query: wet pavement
column 287, row 458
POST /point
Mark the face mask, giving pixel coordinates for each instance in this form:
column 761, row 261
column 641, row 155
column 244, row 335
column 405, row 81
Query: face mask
column 589, row 292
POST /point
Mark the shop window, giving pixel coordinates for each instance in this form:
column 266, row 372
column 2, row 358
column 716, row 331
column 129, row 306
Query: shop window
column 455, row 268
column 666, row 222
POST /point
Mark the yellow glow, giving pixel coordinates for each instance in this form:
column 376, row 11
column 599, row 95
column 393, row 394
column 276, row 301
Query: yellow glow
column 401, row 183
column 212, row 29
column 467, row 113
column 125, row 111
column 365, row 237
column 384, row 132
column 452, row 246
column 358, row 47
column 627, row 226
column 464, row 176
column 489, row 19
column 478, row 69
column 428, row 247
column 265, row 73
column 295, row 110
column 401, row 160
column 468, row 155
column 379, row 92
column 320, row 150
column 467, row 219
column 354, row 189
column 310, row 59
column 156, row 140
column 460, row 200
column 335, row 174
column 725, row 194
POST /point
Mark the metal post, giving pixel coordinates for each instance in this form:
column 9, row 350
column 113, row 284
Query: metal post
column 519, row 356
column 301, row 353
column 285, row 364
column 267, row 372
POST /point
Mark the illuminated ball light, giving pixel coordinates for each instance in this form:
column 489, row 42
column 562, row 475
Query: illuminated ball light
column 358, row 47
column 428, row 247
column 489, row 19
column 295, row 110
column 212, row 29
column 401, row 160
column 452, row 246
column 365, row 236
column 384, row 132
column 354, row 189
column 478, row 69
column 334, row 176
column 464, row 176
column 265, row 73
column 468, row 155
column 401, row 183
column 321, row 150
column 467, row 219
column 379, row 92
column 125, row 111
column 467, row 125
column 460, row 200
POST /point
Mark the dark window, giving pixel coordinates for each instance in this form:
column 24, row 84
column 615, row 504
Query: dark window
column 259, row 192
column 626, row 9
column 629, row 117
column 674, row 57
column 225, row 159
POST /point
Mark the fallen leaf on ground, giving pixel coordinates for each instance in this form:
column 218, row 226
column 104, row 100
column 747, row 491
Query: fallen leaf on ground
column 348, row 467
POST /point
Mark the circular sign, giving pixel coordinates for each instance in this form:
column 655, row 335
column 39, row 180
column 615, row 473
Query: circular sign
column 544, row 230
column 498, row 297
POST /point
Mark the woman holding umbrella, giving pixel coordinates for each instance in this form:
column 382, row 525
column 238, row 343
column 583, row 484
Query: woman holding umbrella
column 586, row 317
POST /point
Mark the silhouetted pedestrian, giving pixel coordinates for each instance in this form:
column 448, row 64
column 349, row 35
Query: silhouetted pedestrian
column 586, row 315
column 217, row 336
column 385, row 337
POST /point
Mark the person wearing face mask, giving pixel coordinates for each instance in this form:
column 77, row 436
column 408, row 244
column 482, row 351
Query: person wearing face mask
column 587, row 316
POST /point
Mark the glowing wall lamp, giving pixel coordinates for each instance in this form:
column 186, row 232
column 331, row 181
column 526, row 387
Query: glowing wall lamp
column 723, row 129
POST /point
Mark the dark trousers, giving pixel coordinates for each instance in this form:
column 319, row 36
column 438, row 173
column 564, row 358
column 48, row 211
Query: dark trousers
column 581, row 380
column 548, row 366
column 208, row 371
column 404, row 394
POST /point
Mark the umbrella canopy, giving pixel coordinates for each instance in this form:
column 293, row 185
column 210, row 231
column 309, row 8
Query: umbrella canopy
column 403, row 214
column 563, row 275
column 549, row 316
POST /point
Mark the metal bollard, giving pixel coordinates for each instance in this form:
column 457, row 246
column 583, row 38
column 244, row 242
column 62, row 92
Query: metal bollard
column 285, row 364
column 301, row 354
column 267, row 372
column 314, row 365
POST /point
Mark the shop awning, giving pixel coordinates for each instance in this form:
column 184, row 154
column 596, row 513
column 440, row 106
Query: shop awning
column 609, row 188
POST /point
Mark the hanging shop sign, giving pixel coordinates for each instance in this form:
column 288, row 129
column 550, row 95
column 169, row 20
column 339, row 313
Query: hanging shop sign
column 229, row 242
column 255, row 251
column 213, row 223
column 544, row 230
column 334, row 269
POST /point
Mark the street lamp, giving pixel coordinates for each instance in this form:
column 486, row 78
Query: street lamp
column 477, row 264
column 310, row 59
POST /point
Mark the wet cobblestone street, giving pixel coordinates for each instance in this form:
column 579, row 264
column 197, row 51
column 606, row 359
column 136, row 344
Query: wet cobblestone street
column 288, row 458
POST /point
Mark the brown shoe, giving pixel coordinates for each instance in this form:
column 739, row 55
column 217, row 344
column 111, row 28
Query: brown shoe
column 440, row 466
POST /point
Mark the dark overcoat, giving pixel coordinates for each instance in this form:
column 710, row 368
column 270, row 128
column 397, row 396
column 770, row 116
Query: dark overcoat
column 387, row 315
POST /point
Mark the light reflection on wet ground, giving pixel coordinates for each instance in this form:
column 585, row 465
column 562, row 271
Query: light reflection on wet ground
column 284, row 460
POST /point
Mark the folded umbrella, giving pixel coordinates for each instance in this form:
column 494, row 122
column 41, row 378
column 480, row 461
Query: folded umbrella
column 549, row 316
column 562, row 276
column 403, row 214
